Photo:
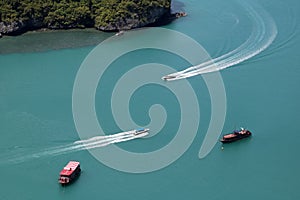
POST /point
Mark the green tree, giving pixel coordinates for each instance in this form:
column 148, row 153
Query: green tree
column 77, row 13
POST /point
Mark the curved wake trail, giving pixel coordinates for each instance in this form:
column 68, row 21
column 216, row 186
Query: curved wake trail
column 91, row 143
column 263, row 34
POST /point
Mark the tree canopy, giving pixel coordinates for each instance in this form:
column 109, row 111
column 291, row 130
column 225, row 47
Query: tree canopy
column 76, row 13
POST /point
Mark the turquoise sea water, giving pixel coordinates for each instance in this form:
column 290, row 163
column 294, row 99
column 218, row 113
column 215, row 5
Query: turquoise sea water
column 36, row 84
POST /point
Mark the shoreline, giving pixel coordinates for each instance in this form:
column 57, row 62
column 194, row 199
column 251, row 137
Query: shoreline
column 48, row 40
column 38, row 40
column 106, row 15
column 164, row 20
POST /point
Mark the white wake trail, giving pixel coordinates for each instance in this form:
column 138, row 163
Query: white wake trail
column 105, row 137
column 263, row 34
column 91, row 143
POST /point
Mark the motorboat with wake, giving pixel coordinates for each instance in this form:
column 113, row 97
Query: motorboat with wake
column 168, row 77
column 141, row 131
column 119, row 33
column 236, row 135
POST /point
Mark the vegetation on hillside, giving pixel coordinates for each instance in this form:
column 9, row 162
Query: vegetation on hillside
column 76, row 13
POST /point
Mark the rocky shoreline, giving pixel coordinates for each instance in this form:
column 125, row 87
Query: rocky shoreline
column 19, row 27
column 156, row 16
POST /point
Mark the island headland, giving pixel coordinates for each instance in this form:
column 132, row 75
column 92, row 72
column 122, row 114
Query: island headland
column 19, row 16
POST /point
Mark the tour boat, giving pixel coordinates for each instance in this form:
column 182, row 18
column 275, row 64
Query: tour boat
column 236, row 135
column 69, row 173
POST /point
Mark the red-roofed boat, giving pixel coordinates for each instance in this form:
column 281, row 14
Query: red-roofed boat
column 236, row 135
column 69, row 173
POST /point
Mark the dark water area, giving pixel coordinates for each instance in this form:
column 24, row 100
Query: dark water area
column 39, row 41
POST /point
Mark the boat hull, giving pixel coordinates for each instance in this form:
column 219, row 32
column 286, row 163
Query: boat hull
column 69, row 173
column 72, row 180
column 233, row 139
column 235, row 136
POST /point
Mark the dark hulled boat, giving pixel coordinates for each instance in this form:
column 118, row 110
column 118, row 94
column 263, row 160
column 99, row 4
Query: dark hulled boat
column 236, row 135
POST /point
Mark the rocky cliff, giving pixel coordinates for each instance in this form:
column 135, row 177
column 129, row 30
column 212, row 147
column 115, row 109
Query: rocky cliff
column 155, row 16
column 18, row 27
column 105, row 15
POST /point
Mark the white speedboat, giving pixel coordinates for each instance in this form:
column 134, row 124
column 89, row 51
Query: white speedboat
column 168, row 77
column 141, row 130
column 119, row 33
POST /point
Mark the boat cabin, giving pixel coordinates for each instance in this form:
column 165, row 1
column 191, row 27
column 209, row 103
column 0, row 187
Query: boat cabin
column 236, row 135
column 69, row 173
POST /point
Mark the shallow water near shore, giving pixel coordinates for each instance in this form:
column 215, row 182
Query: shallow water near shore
column 37, row 74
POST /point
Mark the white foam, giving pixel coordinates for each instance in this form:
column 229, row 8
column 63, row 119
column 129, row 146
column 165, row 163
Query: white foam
column 263, row 33
column 91, row 143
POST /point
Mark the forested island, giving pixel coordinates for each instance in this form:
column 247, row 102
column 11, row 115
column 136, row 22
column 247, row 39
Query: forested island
column 19, row 16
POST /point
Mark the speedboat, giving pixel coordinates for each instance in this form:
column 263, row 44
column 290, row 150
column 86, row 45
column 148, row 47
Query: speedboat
column 140, row 131
column 236, row 135
column 168, row 77
column 69, row 173
column 119, row 33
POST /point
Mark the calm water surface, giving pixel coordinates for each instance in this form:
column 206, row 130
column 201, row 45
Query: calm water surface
column 37, row 73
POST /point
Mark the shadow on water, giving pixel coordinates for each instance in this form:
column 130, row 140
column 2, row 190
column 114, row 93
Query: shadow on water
column 40, row 41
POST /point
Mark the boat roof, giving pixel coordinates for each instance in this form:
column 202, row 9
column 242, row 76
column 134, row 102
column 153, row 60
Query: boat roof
column 69, row 168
